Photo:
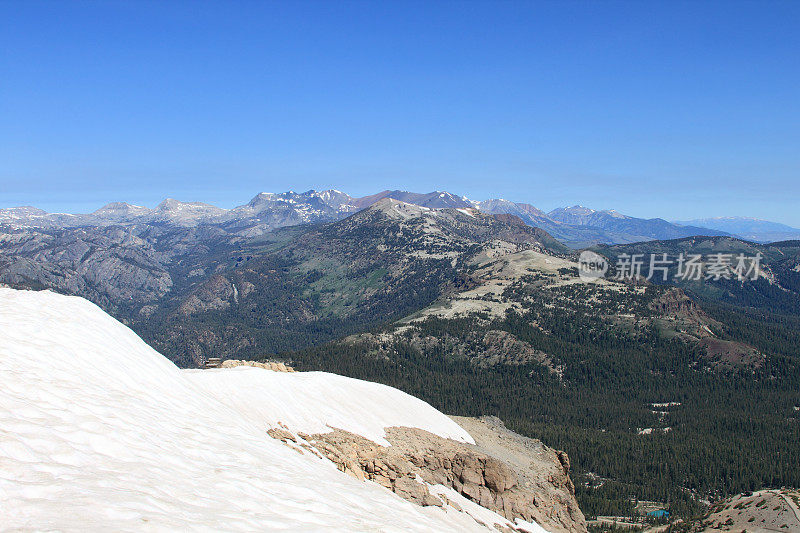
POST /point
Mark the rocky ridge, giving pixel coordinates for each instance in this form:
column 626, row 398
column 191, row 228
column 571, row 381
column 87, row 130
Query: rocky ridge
column 512, row 475
column 578, row 226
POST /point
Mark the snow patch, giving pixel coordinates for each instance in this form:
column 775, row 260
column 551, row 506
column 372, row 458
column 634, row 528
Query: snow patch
column 317, row 402
column 99, row 432
column 482, row 514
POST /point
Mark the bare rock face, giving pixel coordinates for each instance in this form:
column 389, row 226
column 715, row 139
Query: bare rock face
column 512, row 475
column 110, row 267
column 543, row 491
column 275, row 366
column 676, row 304
column 497, row 476
column 281, row 434
column 409, row 489
column 217, row 293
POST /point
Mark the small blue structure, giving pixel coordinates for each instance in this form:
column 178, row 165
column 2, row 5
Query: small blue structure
column 661, row 513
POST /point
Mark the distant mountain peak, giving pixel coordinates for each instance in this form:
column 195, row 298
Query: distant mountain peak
column 170, row 204
column 261, row 198
column 577, row 210
column 397, row 209
column 120, row 207
column 23, row 210
column 749, row 228
column 434, row 200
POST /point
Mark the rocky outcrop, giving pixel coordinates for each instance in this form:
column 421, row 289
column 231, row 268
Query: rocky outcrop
column 765, row 510
column 275, row 366
column 695, row 326
column 217, row 293
column 512, row 475
column 676, row 304
column 544, row 491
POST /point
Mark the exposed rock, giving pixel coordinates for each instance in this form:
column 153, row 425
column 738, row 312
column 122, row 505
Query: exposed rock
column 410, row 489
column 543, row 491
column 281, row 434
column 498, row 476
column 677, row 305
column 512, row 475
column 765, row 510
column 147, row 310
column 109, row 266
column 503, row 347
column 217, row 293
column 275, row 366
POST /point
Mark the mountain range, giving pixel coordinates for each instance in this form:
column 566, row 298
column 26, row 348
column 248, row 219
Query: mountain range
column 575, row 226
column 748, row 228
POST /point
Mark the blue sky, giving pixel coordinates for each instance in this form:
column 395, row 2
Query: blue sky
column 670, row 109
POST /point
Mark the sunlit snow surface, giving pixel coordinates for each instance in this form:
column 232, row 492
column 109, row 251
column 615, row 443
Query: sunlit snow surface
column 100, row 432
column 315, row 402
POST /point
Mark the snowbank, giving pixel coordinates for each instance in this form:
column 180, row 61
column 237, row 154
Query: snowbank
column 316, row 402
column 100, row 432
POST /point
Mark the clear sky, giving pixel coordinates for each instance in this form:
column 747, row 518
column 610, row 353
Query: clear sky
column 670, row 109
